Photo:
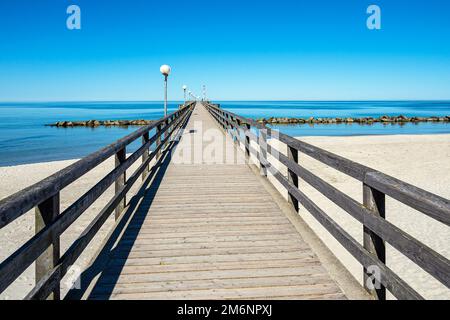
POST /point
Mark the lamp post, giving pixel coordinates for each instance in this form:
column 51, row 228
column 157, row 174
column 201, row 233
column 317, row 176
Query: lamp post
column 204, row 93
column 165, row 70
column 184, row 89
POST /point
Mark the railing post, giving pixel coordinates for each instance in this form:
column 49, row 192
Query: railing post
column 224, row 121
column 146, row 155
column 374, row 200
column 158, row 140
column 227, row 122
column 232, row 128
column 166, row 133
column 237, row 131
column 120, row 182
column 247, row 141
column 45, row 213
column 262, row 150
column 238, row 128
column 292, row 154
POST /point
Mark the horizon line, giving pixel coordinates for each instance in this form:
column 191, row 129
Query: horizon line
column 221, row 100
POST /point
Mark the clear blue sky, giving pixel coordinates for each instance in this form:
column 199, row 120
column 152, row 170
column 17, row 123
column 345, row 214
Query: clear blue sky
column 241, row 49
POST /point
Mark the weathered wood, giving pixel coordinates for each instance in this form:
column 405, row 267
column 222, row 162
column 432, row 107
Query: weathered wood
column 46, row 212
column 233, row 232
column 201, row 238
column 120, row 158
column 16, row 263
column 239, row 118
column 52, row 278
column 430, row 204
column 419, row 199
column 213, row 266
column 75, row 250
column 297, row 292
column 145, row 155
column 253, row 282
column 340, row 163
column 158, row 141
column 374, row 244
column 145, row 254
column 292, row 176
column 242, row 258
column 166, row 125
column 225, row 121
column 161, row 235
column 262, row 142
column 19, row 203
column 389, row 279
column 247, row 141
column 425, row 257
column 193, row 274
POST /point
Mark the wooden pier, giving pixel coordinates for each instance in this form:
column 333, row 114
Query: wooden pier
column 209, row 228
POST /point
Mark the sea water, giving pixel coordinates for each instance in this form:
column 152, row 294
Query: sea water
column 24, row 138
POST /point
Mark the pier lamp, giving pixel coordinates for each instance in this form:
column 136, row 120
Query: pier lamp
column 165, row 70
column 184, row 90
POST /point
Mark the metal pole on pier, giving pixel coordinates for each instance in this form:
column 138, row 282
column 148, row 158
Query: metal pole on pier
column 184, row 89
column 204, row 92
column 165, row 70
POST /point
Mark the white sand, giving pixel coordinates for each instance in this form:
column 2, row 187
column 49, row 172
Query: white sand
column 423, row 160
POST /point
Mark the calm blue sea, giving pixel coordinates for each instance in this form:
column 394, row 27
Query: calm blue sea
column 24, row 138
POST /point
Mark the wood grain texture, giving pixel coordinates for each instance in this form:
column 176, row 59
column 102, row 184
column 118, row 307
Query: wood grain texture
column 378, row 183
column 209, row 230
column 52, row 279
column 389, row 279
column 19, row 203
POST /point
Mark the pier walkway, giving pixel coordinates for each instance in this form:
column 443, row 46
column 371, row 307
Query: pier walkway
column 208, row 223
column 210, row 231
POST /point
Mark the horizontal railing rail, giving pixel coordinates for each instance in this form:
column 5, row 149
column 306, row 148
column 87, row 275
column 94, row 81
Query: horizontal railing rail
column 43, row 247
column 370, row 213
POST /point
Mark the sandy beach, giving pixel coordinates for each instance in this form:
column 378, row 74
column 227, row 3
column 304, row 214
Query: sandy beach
column 422, row 160
column 15, row 178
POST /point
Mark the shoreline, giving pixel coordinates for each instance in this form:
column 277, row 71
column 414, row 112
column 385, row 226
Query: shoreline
column 297, row 137
column 97, row 123
column 272, row 120
column 400, row 120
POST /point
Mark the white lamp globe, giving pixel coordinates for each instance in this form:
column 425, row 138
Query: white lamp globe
column 165, row 69
column 184, row 87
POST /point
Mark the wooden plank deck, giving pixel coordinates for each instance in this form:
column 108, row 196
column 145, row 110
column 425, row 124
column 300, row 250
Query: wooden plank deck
column 210, row 231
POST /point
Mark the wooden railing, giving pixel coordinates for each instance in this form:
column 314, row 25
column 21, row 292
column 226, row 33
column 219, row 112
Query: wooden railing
column 44, row 196
column 370, row 213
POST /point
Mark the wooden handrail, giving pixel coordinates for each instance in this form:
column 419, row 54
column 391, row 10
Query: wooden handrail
column 51, row 272
column 426, row 202
column 21, row 202
column 376, row 184
column 44, row 286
